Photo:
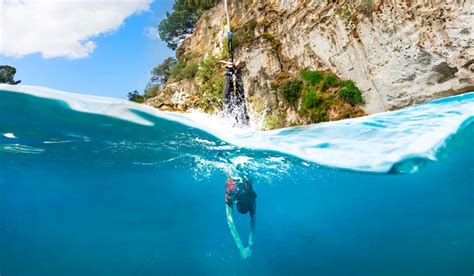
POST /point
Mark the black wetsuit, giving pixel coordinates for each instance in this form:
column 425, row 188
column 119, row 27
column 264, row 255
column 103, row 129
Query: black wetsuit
column 242, row 194
column 234, row 98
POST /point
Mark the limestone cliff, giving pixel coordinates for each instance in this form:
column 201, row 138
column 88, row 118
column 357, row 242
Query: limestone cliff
column 397, row 52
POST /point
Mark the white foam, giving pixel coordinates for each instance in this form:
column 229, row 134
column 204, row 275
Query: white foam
column 9, row 135
column 372, row 143
column 22, row 149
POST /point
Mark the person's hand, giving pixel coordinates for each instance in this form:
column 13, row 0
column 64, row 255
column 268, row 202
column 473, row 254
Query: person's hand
column 229, row 64
column 246, row 253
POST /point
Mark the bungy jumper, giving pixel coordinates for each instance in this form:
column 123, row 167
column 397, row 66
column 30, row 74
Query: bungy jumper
column 234, row 96
column 239, row 191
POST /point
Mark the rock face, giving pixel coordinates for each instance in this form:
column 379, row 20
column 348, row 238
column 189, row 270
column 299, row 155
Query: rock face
column 397, row 52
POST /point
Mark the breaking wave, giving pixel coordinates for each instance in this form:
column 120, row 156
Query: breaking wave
column 39, row 121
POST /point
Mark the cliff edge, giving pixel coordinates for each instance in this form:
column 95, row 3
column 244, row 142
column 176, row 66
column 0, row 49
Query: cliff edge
column 397, row 53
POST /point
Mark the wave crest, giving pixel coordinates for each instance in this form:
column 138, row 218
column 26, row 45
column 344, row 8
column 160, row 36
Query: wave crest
column 385, row 142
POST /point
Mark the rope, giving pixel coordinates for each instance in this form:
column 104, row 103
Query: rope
column 229, row 33
column 227, row 15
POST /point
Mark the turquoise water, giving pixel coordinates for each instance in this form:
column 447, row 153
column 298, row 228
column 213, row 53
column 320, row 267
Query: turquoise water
column 95, row 186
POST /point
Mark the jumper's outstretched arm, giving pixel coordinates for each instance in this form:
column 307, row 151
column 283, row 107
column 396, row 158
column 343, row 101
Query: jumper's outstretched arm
column 233, row 229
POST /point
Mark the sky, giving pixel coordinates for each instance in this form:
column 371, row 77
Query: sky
column 105, row 48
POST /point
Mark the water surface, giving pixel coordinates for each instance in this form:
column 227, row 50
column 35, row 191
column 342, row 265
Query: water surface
column 92, row 186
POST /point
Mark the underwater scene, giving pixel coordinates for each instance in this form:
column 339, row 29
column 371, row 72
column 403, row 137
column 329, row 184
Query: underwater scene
column 101, row 186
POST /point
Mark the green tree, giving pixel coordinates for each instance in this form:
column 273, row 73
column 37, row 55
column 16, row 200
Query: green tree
column 135, row 96
column 160, row 74
column 7, row 75
column 179, row 24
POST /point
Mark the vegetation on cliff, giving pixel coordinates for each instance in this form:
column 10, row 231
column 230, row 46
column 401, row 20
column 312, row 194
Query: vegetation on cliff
column 276, row 41
column 317, row 96
column 208, row 73
column 183, row 70
column 311, row 96
column 180, row 23
column 211, row 87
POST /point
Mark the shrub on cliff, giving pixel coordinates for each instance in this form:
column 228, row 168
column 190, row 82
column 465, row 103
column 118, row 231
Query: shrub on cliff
column 291, row 91
column 310, row 100
column 316, row 105
column 190, row 71
column 318, row 102
column 180, row 23
column 151, row 91
column 7, row 75
column 329, row 81
column 176, row 69
column 181, row 70
column 350, row 92
column 212, row 89
column 312, row 77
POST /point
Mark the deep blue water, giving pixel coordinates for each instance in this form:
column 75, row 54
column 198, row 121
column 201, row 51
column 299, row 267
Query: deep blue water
column 90, row 194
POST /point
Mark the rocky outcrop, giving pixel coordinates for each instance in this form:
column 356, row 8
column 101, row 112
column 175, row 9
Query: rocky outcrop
column 397, row 52
column 176, row 96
